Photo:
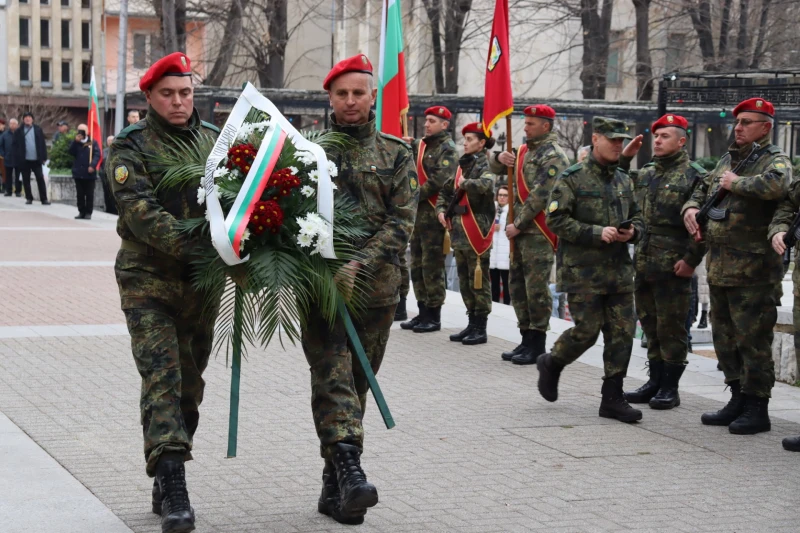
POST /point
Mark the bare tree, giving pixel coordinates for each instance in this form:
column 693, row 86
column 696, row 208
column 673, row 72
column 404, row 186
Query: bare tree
column 172, row 16
column 644, row 69
column 447, row 45
column 34, row 101
column 570, row 135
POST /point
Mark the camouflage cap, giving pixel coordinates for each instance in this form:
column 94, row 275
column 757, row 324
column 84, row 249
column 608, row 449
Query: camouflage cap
column 610, row 127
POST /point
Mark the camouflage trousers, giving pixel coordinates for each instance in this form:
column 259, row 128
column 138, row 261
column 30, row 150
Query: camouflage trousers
column 427, row 258
column 610, row 313
column 742, row 322
column 171, row 351
column 477, row 301
column 338, row 385
column 529, row 278
column 405, row 279
column 662, row 306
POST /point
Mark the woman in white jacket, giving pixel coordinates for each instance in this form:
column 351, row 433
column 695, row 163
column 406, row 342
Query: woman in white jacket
column 499, row 256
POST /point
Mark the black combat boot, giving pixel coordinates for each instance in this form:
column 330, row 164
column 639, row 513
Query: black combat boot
column 535, row 348
column 549, row 372
column 614, row 405
column 703, row 324
column 458, row 337
column 156, row 497
column 791, row 444
column 177, row 515
column 79, row 217
column 356, row 494
column 507, row 356
column 478, row 333
column 755, row 417
column 646, row 392
column 432, row 321
column 667, row 396
column 730, row 412
column 329, row 498
column 417, row 319
column 400, row 311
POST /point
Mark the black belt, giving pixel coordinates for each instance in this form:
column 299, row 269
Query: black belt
column 141, row 248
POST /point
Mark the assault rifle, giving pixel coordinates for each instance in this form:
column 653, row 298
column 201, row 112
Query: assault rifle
column 458, row 194
column 790, row 238
column 711, row 209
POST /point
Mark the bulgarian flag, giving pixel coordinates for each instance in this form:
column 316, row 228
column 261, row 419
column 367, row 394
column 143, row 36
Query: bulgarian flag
column 94, row 119
column 392, row 92
column 498, row 101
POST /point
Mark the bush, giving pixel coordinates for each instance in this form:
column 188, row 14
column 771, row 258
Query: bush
column 708, row 163
column 60, row 158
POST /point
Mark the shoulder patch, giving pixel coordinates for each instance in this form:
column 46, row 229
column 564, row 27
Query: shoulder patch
column 413, row 183
column 209, row 126
column 130, row 129
column 121, row 174
column 393, row 138
column 552, row 171
column 553, row 206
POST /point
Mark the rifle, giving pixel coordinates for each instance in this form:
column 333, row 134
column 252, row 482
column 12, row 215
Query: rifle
column 451, row 207
column 790, row 239
column 710, row 209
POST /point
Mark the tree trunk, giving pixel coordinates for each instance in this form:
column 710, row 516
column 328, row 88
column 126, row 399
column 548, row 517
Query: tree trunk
column 741, row 38
column 230, row 36
column 701, row 21
column 180, row 25
column 725, row 28
column 644, row 71
column 168, row 26
column 433, row 9
column 455, row 15
column 762, row 30
column 596, row 30
column 271, row 68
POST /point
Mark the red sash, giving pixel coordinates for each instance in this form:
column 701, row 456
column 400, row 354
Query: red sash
column 523, row 191
column 422, row 177
column 479, row 242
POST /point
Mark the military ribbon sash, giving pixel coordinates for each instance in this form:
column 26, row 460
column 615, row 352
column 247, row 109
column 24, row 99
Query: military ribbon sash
column 523, row 192
column 479, row 242
column 422, row 177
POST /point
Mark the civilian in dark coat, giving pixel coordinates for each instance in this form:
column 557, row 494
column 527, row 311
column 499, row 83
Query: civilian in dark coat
column 30, row 152
column 13, row 179
column 84, row 171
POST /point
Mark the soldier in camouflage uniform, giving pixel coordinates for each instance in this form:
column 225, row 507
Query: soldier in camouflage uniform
column 400, row 312
column 439, row 163
column 171, row 336
column 378, row 173
column 744, row 275
column 588, row 205
column 666, row 257
column 532, row 259
column 477, row 184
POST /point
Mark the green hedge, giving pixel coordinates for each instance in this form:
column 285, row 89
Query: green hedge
column 60, row 158
column 708, row 163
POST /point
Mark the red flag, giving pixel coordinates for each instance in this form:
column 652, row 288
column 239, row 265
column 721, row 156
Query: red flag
column 498, row 102
column 94, row 119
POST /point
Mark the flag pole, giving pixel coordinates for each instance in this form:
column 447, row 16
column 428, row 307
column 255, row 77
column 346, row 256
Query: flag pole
column 511, row 197
column 404, row 123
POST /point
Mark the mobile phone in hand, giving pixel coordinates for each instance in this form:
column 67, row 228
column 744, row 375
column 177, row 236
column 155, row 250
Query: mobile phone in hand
column 626, row 224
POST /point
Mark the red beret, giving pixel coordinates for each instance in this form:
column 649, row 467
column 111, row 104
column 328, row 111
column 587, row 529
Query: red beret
column 473, row 127
column 541, row 111
column 2, row 121
column 439, row 111
column 175, row 64
column 357, row 63
column 755, row 105
column 670, row 120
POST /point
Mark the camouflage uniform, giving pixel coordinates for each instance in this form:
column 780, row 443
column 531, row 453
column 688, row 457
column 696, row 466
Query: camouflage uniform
column 405, row 275
column 478, row 184
column 171, row 335
column 744, row 273
column 379, row 174
column 532, row 259
column 598, row 277
column 662, row 298
column 427, row 258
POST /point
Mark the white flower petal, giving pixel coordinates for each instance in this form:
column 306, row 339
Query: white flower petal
column 201, row 196
column 332, row 170
column 307, row 191
column 313, row 175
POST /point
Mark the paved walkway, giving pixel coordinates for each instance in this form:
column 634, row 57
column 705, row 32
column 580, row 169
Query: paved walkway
column 475, row 448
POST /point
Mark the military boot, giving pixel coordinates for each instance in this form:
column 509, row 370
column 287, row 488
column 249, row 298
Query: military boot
column 329, row 498
column 478, row 333
column 400, row 311
column 646, row 392
column 614, row 405
column 417, row 319
column 667, row 396
column 549, row 373
column 177, row 515
column 703, row 324
column 535, row 348
column 731, row 411
column 755, row 417
column 432, row 321
column 791, row 444
column 458, row 337
column 356, row 494
column 507, row 356
column 156, row 497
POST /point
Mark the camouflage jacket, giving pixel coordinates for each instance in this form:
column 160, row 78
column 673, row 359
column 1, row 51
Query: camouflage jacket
column 661, row 189
column 440, row 164
column 478, row 185
column 378, row 173
column 784, row 216
column 739, row 253
column 145, row 216
column 586, row 198
column 544, row 161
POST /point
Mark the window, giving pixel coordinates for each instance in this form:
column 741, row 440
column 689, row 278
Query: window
column 23, row 1
column 675, row 45
column 47, row 80
column 24, row 31
column 86, row 74
column 44, row 29
column 66, row 74
column 25, row 72
column 65, row 3
column 139, row 50
column 44, row 2
column 86, row 36
column 86, row 3
column 66, row 34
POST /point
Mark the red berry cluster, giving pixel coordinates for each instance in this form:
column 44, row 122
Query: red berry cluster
column 266, row 215
column 284, row 181
column 241, row 156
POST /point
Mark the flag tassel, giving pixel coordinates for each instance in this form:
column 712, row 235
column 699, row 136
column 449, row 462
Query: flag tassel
column 477, row 283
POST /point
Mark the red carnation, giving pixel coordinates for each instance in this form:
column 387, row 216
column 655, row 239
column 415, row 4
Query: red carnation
column 266, row 215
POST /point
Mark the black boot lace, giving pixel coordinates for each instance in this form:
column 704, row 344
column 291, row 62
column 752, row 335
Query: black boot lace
column 174, row 491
